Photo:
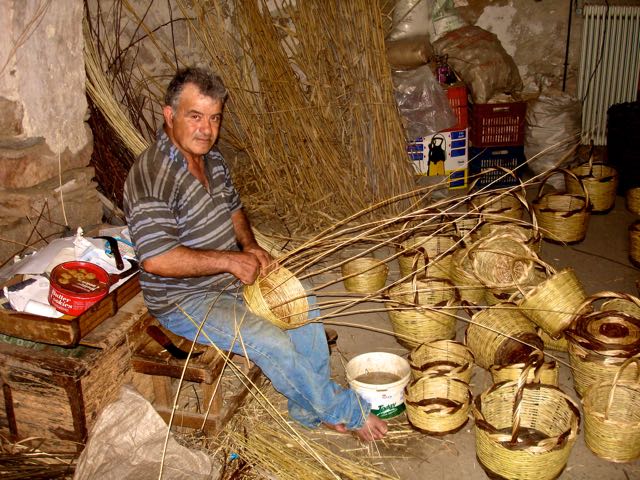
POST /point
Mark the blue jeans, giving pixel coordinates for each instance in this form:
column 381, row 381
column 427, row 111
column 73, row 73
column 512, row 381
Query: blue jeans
column 296, row 361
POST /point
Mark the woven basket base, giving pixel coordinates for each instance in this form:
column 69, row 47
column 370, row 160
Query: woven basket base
column 494, row 476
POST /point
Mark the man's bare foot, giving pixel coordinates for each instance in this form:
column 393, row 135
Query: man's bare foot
column 373, row 429
column 339, row 427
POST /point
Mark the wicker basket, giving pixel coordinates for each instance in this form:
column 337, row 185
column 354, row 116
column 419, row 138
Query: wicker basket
column 612, row 417
column 278, row 297
column 562, row 217
column 499, row 204
column 501, row 335
column 632, row 200
column 524, row 431
column 427, row 254
column 559, row 344
column 467, row 226
column 539, row 371
column 422, row 311
column 438, row 405
column 634, row 243
column 470, row 288
column 442, row 358
column 598, row 179
column 364, row 275
column 553, row 303
column 600, row 342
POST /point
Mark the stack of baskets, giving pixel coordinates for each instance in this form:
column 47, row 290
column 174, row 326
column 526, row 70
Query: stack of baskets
column 438, row 399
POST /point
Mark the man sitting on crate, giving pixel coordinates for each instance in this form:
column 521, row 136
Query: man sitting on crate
column 193, row 241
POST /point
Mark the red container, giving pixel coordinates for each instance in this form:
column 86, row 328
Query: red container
column 75, row 286
column 457, row 96
column 497, row 124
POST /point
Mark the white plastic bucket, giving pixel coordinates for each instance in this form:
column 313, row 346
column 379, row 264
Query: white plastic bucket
column 387, row 400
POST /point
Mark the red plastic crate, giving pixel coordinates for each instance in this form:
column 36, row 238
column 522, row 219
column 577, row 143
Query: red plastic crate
column 497, row 124
column 457, row 96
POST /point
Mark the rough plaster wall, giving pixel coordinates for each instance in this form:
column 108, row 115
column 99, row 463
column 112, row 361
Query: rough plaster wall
column 51, row 91
column 533, row 33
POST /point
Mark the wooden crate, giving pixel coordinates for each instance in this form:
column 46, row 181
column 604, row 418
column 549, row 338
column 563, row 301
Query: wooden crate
column 55, row 394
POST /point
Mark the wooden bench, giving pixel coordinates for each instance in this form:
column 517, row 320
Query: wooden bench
column 161, row 354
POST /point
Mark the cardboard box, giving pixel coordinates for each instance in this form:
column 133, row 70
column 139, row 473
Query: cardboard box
column 442, row 154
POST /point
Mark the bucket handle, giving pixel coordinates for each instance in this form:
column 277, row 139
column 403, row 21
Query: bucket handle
column 614, row 385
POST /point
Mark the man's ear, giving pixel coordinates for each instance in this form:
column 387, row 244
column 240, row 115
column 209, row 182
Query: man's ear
column 167, row 113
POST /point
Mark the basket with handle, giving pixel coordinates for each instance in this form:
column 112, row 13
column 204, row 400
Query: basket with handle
column 612, row 416
column 559, row 344
column 524, row 430
column 562, row 217
column 539, row 370
column 278, row 297
column 442, row 358
column 598, row 179
column 422, row 310
column 601, row 341
column 501, row 335
column 553, row 303
column 427, row 254
column 461, row 274
column 364, row 275
column 438, row 405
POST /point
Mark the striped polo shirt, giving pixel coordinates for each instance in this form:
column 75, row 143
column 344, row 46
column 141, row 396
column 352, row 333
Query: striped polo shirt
column 166, row 206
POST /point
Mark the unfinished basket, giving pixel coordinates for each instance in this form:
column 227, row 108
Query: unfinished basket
column 539, row 371
column 422, row 311
column 612, row 417
column 553, row 303
column 499, row 204
column 501, row 335
column 278, row 297
column 427, row 254
column 632, row 200
column 600, row 342
column 364, row 275
column 598, row 179
column 562, row 217
column 469, row 287
column 442, row 358
column 438, row 405
column 524, row 430
column 634, row 243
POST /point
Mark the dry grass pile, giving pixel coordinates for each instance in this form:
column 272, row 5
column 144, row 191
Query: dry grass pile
column 23, row 460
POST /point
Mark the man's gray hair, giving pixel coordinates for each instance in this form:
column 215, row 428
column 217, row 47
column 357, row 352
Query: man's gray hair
column 207, row 82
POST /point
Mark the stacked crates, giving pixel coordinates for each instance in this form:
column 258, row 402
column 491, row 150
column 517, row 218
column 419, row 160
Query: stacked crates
column 497, row 140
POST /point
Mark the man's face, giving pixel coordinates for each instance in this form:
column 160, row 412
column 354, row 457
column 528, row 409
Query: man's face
column 195, row 125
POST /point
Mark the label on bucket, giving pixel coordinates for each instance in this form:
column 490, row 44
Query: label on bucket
column 389, row 411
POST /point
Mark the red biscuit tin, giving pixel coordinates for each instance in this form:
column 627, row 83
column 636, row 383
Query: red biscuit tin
column 75, row 286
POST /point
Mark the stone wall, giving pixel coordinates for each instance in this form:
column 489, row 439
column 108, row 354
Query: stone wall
column 45, row 143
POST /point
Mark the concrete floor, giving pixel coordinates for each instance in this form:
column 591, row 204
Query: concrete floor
column 600, row 262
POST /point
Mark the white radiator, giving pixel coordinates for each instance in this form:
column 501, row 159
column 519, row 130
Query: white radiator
column 609, row 65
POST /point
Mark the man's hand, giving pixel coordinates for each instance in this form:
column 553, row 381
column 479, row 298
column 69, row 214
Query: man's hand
column 267, row 263
column 245, row 266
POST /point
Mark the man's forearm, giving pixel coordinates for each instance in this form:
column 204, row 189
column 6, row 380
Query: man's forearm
column 242, row 229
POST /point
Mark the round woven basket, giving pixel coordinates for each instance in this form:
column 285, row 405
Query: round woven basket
column 599, row 180
column 438, row 405
column 427, row 254
column 422, row 311
column 278, row 297
column 524, row 430
column 498, row 205
column 501, row 335
column 470, row 288
column 632, row 200
column 528, row 233
column 442, row 358
column 634, row 243
column 559, row 344
column 562, row 217
column 612, row 417
column 502, row 261
column 364, row 275
column 600, row 342
column 539, row 371
column 553, row 303
column 467, row 226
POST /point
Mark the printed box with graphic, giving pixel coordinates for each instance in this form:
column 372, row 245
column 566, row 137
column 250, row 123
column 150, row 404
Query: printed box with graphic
column 444, row 153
